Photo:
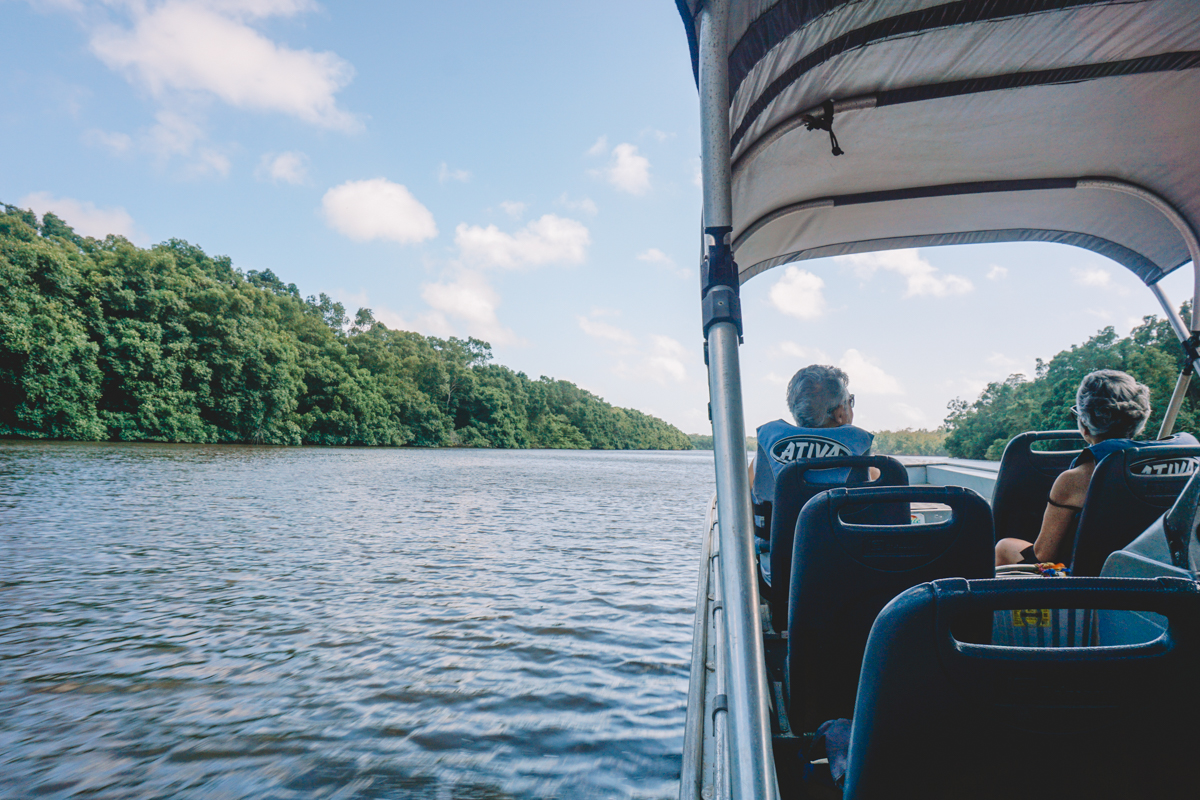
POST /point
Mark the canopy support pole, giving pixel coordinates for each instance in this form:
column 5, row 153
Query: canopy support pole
column 1185, row 375
column 751, row 764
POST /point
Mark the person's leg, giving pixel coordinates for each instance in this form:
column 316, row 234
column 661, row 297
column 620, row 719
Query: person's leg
column 1008, row 551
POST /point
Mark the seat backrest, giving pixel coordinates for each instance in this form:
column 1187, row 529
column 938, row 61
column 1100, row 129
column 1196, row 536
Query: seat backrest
column 937, row 717
column 1024, row 482
column 796, row 485
column 1130, row 489
column 843, row 573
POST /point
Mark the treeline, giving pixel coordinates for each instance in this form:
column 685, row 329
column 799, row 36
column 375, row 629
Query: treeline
column 909, row 442
column 704, row 441
column 1150, row 353
column 102, row 340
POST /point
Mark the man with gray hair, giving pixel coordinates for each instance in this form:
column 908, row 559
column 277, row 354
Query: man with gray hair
column 823, row 409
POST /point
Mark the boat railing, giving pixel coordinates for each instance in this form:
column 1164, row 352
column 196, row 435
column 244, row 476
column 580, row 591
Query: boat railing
column 692, row 773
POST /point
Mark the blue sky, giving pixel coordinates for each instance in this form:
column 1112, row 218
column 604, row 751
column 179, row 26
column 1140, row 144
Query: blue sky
column 524, row 172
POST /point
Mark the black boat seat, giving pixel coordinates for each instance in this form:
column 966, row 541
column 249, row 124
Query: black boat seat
column 1130, row 489
column 1024, row 482
column 794, row 487
column 843, row 573
column 937, row 717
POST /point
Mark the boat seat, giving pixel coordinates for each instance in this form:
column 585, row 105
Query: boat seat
column 1130, row 489
column 843, row 573
column 938, row 717
column 1024, row 482
column 795, row 486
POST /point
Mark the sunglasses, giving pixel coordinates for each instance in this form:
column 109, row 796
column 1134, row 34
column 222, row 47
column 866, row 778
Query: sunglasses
column 1074, row 411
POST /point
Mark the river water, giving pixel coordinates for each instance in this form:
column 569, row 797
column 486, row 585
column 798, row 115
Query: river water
column 253, row 622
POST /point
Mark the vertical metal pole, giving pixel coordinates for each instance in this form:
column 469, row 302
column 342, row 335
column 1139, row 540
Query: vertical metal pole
column 1185, row 376
column 751, row 765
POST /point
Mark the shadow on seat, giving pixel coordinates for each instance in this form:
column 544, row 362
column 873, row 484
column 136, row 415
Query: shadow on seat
column 937, row 717
column 795, row 486
column 1130, row 489
column 842, row 574
column 1024, row 482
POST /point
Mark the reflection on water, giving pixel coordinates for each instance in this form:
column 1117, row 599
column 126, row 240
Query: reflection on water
column 236, row 622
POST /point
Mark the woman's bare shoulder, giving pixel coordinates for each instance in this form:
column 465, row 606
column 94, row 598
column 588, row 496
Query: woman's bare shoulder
column 1071, row 486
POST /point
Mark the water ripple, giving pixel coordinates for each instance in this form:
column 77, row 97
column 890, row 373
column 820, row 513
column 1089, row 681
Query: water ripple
column 237, row 622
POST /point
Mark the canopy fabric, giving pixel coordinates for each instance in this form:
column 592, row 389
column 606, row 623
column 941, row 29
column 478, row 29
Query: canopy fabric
column 962, row 122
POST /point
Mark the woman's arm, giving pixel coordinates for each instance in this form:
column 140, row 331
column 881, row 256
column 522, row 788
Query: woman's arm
column 1053, row 544
column 1070, row 490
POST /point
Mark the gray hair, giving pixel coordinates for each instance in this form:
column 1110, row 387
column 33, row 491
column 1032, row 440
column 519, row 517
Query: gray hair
column 815, row 392
column 1113, row 405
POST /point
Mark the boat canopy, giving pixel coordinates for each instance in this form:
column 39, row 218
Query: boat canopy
column 1068, row 121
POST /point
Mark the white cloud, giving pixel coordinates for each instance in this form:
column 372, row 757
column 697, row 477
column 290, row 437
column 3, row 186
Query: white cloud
column 290, row 167
column 922, row 278
column 602, row 330
column 627, row 170
column 661, row 259
column 777, row 379
column 657, row 135
column 117, row 143
column 661, row 359
column 470, row 300
column 1096, row 277
column 513, row 208
column 191, row 47
column 799, row 294
column 866, row 377
column 208, row 161
column 1006, row 364
column 914, row 416
column 447, row 174
column 173, row 134
column 83, row 216
column 666, row 360
column 377, row 209
column 808, row 355
column 599, row 148
column 177, row 134
column 997, row 272
column 584, row 204
column 549, row 239
column 656, row 256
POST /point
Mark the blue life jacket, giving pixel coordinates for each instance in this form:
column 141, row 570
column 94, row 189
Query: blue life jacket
column 780, row 443
column 1099, row 450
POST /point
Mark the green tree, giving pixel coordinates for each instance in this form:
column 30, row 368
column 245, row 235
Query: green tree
column 1150, row 353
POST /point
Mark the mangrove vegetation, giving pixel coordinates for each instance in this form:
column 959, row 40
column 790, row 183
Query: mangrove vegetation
column 1150, row 353
column 103, row 340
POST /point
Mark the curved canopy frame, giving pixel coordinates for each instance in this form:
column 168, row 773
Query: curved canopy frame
column 963, row 122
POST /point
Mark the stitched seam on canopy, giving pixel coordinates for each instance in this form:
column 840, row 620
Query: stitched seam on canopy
column 963, row 12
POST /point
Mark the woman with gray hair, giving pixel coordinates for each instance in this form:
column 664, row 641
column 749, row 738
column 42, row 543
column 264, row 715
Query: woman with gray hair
column 1111, row 408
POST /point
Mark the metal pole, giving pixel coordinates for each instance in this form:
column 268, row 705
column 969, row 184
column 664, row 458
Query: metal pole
column 1173, row 318
column 720, row 712
column 1173, row 216
column 691, row 778
column 1185, row 375
column 751, row 765
column 1177, row 397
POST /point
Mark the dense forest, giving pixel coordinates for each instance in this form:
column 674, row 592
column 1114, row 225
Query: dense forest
column 1150, row 353
column 102, row 340
column 910, row 442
